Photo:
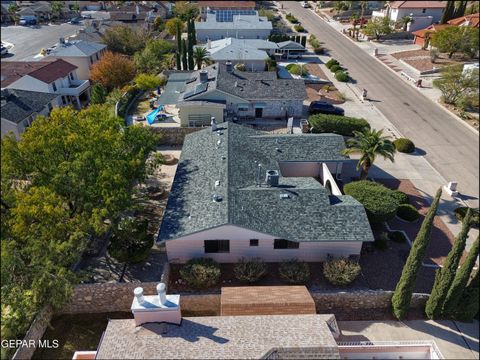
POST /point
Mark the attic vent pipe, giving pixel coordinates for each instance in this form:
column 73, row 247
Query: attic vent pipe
column 203, row 76
column 229, row 66
column 213, row 123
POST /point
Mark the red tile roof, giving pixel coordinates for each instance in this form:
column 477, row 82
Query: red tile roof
column 417, row 5
column 47, row 70
column 227, row 4
column 431, row 29
column 473, row 20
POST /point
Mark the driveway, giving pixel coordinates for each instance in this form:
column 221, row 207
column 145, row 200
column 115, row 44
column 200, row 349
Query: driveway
column 456, row 340
column 27, row 41
column 451, row 148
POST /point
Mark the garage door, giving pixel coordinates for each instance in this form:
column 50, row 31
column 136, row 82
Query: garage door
column 199, row 120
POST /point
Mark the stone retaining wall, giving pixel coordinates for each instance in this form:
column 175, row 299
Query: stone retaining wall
column 173, row 135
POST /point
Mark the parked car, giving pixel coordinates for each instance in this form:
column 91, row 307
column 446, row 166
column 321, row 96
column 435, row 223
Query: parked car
column 4, row 50
column 28, row 20
column 305, row 4
column 87, row 16
column 75, row 20
column 323, row 107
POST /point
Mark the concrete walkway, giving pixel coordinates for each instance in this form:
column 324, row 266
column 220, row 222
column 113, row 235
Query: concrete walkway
column 455, row 340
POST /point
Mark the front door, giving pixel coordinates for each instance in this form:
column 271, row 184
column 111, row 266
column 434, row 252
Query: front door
column 258, row 113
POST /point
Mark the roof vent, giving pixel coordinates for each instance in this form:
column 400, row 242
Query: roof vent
column 203, row 76
column 217, row 183
column 217, row 198
column 272, row 177
column 284, row 196
column 213, row 123
column 229, row 66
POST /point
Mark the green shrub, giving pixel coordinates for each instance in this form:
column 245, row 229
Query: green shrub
column 250, row 270
column 342, row 125
column 294, row 271
column 241, row 67
column 318, row 50
column 401, row 196
column 296, row 69
column 299, row 28
column 341, row 271
column 331, row 62
column 342, row 76
column 397, row 236
column 380, row 202
column 404, row 145
column 200, row 272
column 335, row 68
column 131, row 92
column 291, row 18
column 407, row 212
column 461, row 211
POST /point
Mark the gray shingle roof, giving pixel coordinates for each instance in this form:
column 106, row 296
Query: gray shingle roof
column 231, row 158
column 77, row 48
column 17, row 105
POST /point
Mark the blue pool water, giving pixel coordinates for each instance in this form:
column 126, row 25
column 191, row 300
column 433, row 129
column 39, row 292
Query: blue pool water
column 151, row 116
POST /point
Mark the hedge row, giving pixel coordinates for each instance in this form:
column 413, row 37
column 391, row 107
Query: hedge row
column 342, row 125
column 126, row 99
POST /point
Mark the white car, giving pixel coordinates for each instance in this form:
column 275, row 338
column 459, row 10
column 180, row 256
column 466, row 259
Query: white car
column 305, row 4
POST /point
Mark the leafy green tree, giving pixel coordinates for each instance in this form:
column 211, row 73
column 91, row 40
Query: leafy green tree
column 191, row 61
column 185, row 10
column 184, row 55
column 76, row 8
column 12, row 11
column 403, row 292
column 98, row 95
column 456, row 84
column 270, row 64
column 378, row 27
column 445, row 276
column 472, row 9
column 404, row 21
column 448, row 13
column 461, row 280
column 200, row 55
column 113, row 70
column 172, row 25
column 56, row 7
column 130, row 242
column 154, row 57
column 178, row 53
column 460, row 8
column 369, row 144
column 149, row 81
column 125, row 39
column 454, row 39
column 159, row 24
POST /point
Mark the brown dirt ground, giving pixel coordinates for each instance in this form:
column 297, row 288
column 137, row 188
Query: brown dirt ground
column 420, row 59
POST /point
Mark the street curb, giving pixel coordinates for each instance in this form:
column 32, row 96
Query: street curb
column 456, row 117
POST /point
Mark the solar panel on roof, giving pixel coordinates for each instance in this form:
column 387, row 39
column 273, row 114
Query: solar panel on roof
column 227, row 15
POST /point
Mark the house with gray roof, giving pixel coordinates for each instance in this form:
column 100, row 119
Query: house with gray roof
column 80, row 53
column 247, row 25
column 228, row 94
column 241, row 192
column 19, row 109
column 250, row 52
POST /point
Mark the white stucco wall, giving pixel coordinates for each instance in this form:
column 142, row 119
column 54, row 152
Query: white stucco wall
column 397, row 14
column 182, row 249
column 82, row 63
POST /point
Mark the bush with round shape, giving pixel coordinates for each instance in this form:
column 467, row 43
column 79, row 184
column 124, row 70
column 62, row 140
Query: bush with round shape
column 299, row 28
column 401, row 196
column 241, row 67
column 342, row 76
column 250, row 270
column 461, row 211
column 296, row 69
column 335, row 68
column 294, row 271
column 331, row 62
column 379, row 201
column 342, row 125
column 407, row 212
column 404, row 145
column 341, row 271
column 397, row 236
column 200, row 272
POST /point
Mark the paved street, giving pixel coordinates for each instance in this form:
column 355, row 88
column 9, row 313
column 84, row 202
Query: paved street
column 28, row 41
column 451, row 148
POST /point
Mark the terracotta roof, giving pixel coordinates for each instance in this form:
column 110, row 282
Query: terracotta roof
column 46, row 70
column 431, row 29
column 473, row 20
column 227, row 4
column 417, row 4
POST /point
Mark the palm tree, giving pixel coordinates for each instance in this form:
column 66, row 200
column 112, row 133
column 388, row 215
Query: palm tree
column 12, row 11
column 200, row 55
column 404, row 21
column 355, row 20
column 369, row 144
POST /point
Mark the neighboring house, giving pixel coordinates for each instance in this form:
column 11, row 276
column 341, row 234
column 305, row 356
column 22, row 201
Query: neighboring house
column 251, row 52
column 289, row 49
column 82, row 54
column 240, row 24
column 242, row 192
column 422, row 37
column 423, row 13
column 50, row 76
column 227, row 94
column 207, row 6
column 20, row 108
column 472, row 20
column 132, row 13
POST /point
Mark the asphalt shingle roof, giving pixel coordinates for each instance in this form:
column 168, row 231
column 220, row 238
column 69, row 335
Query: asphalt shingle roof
column 231, row 156
column 17, row 105
column 77, row 48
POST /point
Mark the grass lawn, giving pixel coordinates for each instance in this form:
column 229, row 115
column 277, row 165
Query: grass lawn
column 75, row 333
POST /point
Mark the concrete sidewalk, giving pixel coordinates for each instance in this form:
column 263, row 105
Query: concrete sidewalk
column 455, row 340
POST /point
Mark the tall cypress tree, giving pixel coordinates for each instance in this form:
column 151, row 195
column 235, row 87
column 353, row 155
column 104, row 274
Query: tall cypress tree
column 403, row 292
column 179, row 47
column 460, row 282
column 191, row 62
column 445, row 275
column 194, row 33
column 449, row 12
column 460, row 9
column 469, row 302
column 184, row 55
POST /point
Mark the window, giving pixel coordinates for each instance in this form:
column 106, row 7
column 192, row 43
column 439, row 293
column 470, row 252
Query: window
column 253, row 242
column 54, row 86
column 285, row 244
column 217, row 246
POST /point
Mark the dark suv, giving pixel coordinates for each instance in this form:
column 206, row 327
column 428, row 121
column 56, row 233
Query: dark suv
column 323, row 107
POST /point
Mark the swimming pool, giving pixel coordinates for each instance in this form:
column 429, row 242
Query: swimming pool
column 152, row 115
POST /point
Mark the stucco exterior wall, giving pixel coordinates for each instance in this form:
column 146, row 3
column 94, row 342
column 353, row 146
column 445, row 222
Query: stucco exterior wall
column 182, row 249
column 397, row 14
column 83, row 64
